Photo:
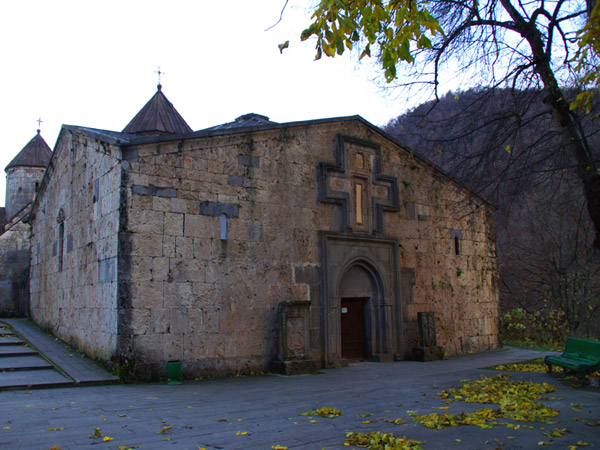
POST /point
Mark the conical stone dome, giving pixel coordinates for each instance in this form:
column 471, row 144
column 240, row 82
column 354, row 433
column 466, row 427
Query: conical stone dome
column 24, row 173
column 158, row 116
column 35, row 154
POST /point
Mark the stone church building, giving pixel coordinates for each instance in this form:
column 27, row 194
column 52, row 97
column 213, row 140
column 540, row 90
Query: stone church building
column 306, row 243
column 23, row 176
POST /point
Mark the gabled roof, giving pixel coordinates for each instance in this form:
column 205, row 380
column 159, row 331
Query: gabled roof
column 247, row 120
column 158, row 116
column 250, row 123
column 35, row 154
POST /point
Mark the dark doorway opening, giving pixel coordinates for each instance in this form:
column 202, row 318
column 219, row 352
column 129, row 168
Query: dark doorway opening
column 353, row 328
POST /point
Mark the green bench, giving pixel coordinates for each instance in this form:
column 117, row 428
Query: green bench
column 580, row 356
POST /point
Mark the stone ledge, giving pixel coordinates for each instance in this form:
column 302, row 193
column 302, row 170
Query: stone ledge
column 428, row 353
column 294, row 366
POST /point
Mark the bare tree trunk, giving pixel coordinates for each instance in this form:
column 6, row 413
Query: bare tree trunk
column 573, row 136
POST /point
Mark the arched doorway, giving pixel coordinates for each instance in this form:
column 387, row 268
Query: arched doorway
column 361, row 270
column 357, row 292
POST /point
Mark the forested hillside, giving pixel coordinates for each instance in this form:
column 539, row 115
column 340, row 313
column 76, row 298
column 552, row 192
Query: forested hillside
column 501, row 144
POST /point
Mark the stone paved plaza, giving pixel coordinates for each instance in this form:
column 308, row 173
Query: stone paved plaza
column 263, row 411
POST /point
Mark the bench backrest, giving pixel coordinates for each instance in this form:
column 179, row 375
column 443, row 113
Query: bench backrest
column 585, row 348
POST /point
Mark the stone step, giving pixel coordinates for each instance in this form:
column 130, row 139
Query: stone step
column 11, row 340
column 77, row 370
column 16, row 350
column 43, row 378
column 30, row 362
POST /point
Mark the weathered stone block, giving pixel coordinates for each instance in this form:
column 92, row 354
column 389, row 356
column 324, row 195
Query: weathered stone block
column 146, row 245
column 184, row 247
column 179, row 295
column 146, row 221
column 178, row 319
column 201, row 226
column 194, row 347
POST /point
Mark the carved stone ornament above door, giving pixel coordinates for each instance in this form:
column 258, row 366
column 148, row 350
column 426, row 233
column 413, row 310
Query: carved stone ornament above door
column 355, row 183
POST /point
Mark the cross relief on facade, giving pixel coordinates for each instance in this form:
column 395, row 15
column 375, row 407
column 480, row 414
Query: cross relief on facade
column 356, row 184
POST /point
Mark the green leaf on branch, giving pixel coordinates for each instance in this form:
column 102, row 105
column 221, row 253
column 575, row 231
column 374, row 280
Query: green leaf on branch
column 395, row 29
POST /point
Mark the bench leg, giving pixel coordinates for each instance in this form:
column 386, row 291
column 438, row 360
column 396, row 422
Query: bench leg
column 549, row 367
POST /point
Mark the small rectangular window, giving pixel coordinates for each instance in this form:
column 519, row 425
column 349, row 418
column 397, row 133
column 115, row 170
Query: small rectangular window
column 359, row 205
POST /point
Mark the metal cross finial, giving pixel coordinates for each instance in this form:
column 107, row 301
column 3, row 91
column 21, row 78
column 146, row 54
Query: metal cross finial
column 159, row 72
column 39, row 121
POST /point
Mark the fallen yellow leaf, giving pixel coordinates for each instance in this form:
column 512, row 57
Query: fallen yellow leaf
column 107, row 438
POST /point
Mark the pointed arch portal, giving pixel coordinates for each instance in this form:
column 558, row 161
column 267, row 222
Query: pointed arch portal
column 360, row 305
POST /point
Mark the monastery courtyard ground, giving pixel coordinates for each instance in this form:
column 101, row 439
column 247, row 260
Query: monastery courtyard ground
column 265, row 412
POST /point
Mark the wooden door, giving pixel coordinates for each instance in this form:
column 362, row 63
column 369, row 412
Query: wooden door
column 353, row 328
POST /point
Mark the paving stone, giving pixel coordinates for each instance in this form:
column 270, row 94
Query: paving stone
column 268, row 409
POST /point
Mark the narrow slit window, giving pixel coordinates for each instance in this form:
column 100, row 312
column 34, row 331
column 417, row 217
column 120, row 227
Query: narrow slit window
column 359, row 205
column 456, row 236
column 61, row 245
column 223, row 226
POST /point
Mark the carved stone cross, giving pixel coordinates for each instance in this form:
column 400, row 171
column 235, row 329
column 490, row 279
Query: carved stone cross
column 356, row 184
column 159, row 72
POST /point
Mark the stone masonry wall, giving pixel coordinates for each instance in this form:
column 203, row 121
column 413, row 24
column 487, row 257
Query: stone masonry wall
column 220, row 230
column 14, row 269
column 74, row 245
column 21, row 183
column 461, row 289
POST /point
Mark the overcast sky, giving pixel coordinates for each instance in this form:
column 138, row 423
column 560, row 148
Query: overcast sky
column 93, row 64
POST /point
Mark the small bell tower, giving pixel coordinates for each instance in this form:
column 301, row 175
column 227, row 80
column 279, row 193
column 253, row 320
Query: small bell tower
column 24, row 173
